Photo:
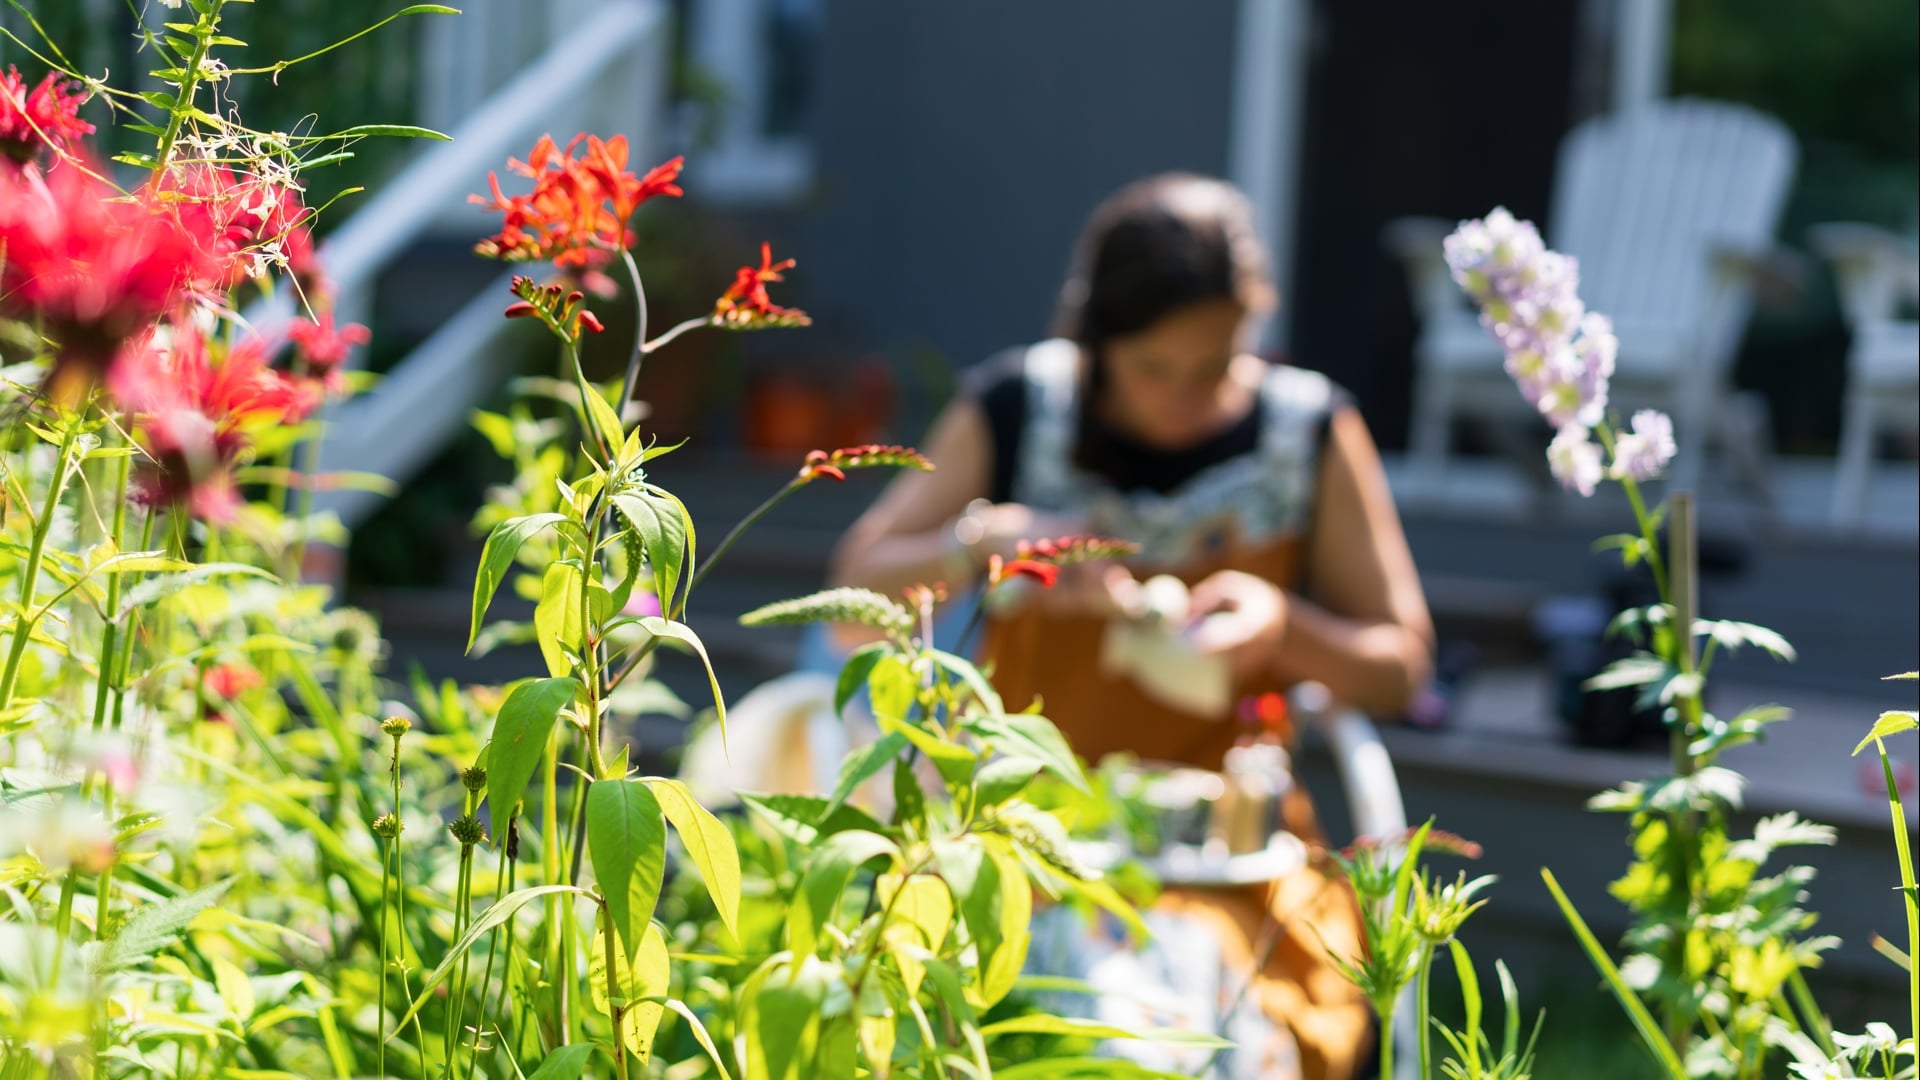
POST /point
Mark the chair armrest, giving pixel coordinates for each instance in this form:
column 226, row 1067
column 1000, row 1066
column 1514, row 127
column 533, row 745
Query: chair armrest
column 1366, row 771
column 1876, row 269
column 1777, row 275
column 1417, row 242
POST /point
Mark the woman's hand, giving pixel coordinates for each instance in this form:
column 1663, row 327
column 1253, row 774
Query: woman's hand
column 1240, row 616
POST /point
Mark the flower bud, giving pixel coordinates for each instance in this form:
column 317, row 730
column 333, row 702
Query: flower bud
column 591, row 323
column 386, row 826
column 396, row 726
column 474, row 778
column 467, row 829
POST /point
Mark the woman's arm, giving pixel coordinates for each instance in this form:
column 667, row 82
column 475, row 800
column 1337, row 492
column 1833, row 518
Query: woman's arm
column 1366, row 634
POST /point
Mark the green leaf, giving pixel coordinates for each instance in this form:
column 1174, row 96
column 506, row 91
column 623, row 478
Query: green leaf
column 854, row 673
column 1003, row 778
column 1001, row 970
column 155, row 589
column 699, row 1034
column 236, row 992
column 153, row 926
column 863, row 763
column 1045, row 1024
column 664, row 535
column 1105, row 896
column 627, row 840
column 947, row 987
column 606, row 423
column 682, row 633
column 520, row 738
column 499, row 912
column 1029, row 736
column 708, row 844
column 828, row 871
column 1082, row 1068
column 954, row 761
column 565, row 1063
column 1889, row 724
column 1631, row 671
column 781, row 1017
column 496, row 558
column 1643, row 1021
column 803, row 818
column 982, row 689
column 642, row 983
column 398, row 131
column 556, row 618
column 893, row 688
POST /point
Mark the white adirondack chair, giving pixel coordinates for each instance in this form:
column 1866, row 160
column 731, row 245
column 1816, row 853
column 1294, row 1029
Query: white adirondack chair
column 1878, row 273
column 1671, row 209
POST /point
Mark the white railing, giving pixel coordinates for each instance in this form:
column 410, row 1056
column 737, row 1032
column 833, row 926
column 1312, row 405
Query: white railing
column 606, row 72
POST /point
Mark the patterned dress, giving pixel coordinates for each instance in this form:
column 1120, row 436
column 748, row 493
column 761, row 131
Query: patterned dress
column 1243, row 501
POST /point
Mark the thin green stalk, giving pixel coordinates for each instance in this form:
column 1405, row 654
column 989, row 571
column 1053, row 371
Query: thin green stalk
column 1812, row 1020
column 640, row 348
column 1423, row 1013
column 189, row 82
column 386, row 877
column 1643, row 1022
column 614, row 1008
column 493, row 947
column 30, row 573
column 462, row 906
column 550, row 867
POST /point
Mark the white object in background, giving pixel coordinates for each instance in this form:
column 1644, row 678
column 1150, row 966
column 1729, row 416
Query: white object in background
column 1878, row 273
column 1156, row 650
column 1671, row 209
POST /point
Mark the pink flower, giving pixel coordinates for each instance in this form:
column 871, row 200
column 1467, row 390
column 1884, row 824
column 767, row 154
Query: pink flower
column 325, row 348
column 198, row 417
column 1643, row 452
column 47, row 117
column 1575, row 460
column 93, row 270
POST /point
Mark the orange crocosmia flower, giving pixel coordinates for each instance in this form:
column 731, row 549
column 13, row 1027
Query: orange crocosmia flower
column 999, row 570
column 579, row 206
column 746, row 306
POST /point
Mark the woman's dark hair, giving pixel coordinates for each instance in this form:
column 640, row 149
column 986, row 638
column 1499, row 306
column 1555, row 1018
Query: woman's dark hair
column 1157, row 245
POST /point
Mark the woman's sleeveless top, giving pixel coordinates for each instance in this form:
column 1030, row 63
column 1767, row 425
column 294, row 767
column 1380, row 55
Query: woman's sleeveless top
column 1248, row 507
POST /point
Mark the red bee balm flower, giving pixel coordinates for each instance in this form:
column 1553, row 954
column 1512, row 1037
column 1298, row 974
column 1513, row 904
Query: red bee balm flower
column 91, row 270
column 325, row 348
column 578, row 208
column 199, row 417
column 746, row 306
column 49, row 116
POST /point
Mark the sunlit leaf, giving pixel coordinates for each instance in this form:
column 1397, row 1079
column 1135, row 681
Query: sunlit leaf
column 496, row 558
column 708, row 844
column 499, row 912
column 520, row 739
column 829, row 869
column 627, row 841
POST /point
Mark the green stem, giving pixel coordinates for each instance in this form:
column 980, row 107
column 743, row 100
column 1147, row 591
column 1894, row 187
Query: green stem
column 462, row 906
column 386, row 880
column 1422, row 1014
column 189, row 82
column 663, row 340
column 640, row 347
column 614, row 1008
column 30, row 573
column 493, row 946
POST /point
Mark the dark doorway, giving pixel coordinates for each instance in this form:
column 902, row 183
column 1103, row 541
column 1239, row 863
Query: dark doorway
column 1414, row 107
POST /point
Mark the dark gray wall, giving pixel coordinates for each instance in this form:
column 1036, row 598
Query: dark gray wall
column 960, row 145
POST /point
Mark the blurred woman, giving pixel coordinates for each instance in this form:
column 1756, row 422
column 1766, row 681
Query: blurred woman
column 1255, row 484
